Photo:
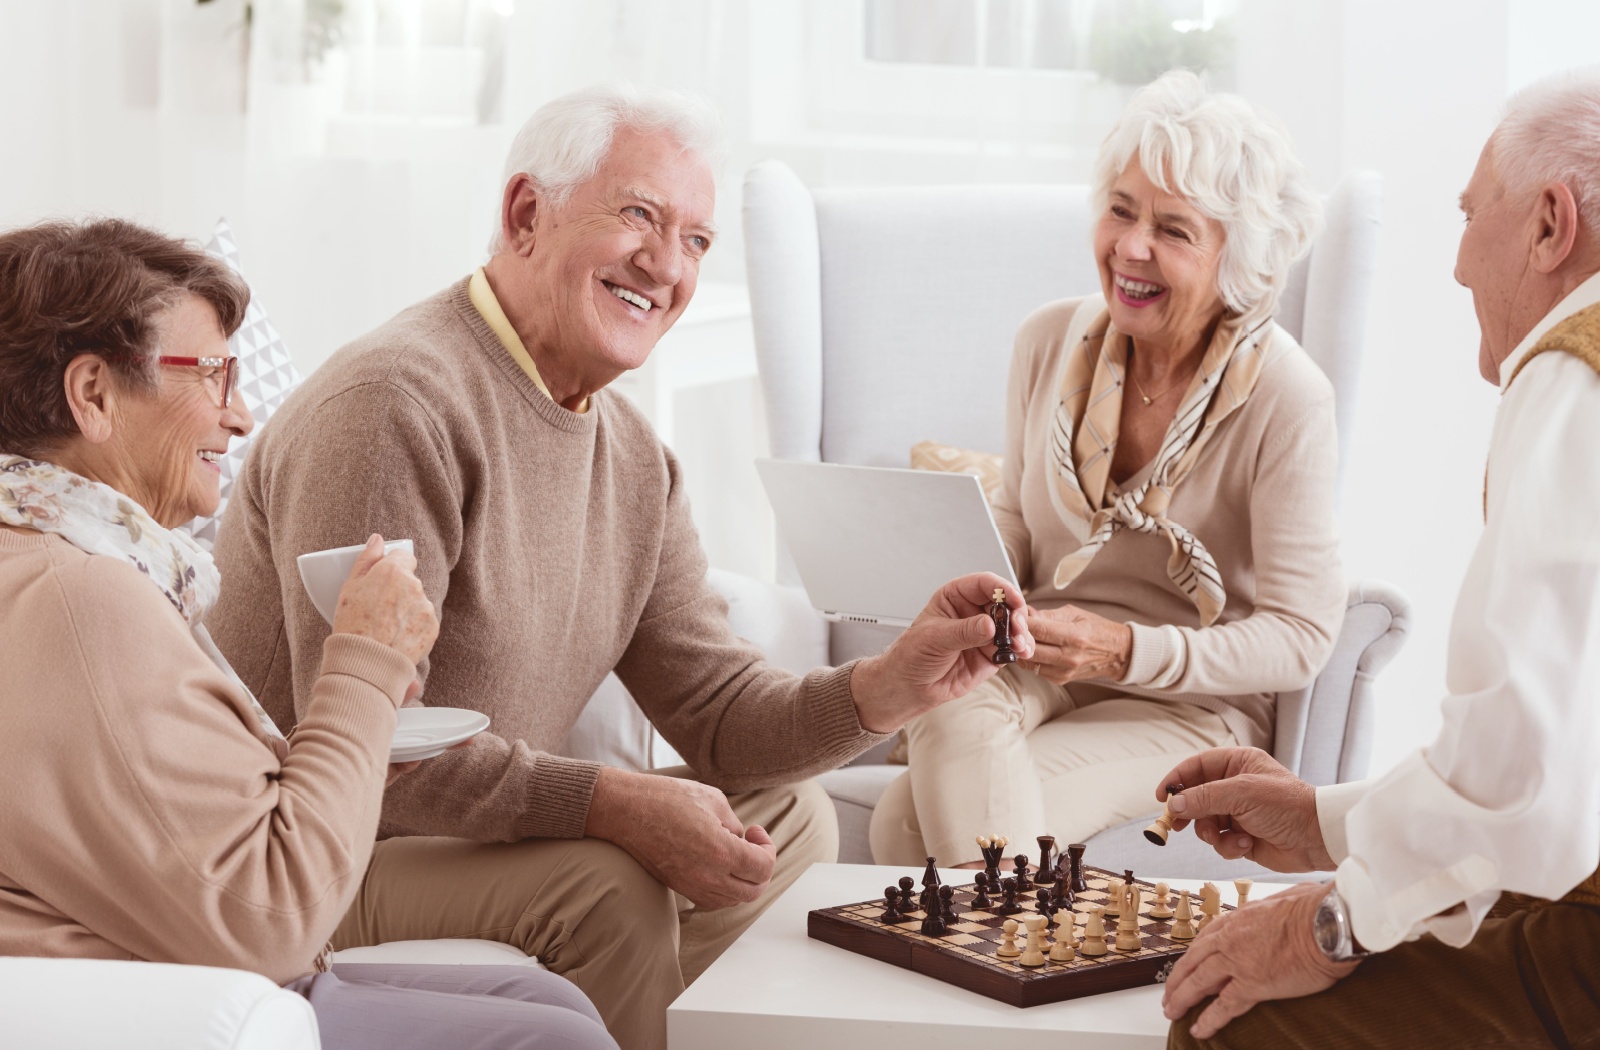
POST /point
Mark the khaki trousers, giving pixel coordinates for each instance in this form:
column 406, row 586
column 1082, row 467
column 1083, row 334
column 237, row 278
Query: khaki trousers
column 1018, row 757
column 584, row 907
column 1528, row 980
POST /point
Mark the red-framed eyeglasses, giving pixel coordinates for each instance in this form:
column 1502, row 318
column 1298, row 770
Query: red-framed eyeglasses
column 229, row 366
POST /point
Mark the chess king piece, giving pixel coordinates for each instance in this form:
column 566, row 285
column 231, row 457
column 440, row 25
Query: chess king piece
column 1157, row 832
column 1047, row 863
column 1075, row 865
column 1066, row 947
column 1161, row 906
column 1000, row 613
column 1183, row 927
column 1242, row 887
column 1034, row 954
column 1128, row 926
column 1094, row 934
column 1008, row 941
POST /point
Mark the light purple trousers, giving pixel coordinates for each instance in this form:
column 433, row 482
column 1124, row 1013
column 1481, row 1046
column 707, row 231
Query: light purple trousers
column 373, row 1006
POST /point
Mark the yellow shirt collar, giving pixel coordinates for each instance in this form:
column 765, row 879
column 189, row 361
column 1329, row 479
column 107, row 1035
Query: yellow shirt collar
column 484, row 301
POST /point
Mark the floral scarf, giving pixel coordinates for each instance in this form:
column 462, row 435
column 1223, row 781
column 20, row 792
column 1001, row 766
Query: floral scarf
column 97, row 519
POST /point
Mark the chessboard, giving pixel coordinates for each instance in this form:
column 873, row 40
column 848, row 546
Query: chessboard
column 965, row 955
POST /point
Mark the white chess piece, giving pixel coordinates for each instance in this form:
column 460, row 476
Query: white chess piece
column 1094, row 934
column 1034, row 955
column 1008, row 944
column 1128, row 925
column 1183, row 929
column 1242, row 887
column 1161, row 908
column 1066, row 947
column 1114, row 897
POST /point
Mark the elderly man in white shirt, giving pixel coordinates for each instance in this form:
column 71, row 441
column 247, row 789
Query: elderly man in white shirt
column 1468, row 873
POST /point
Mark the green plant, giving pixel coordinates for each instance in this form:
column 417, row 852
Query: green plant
column 1135, row 42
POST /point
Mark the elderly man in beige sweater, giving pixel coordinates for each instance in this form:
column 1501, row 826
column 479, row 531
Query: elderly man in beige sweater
column 553, row 534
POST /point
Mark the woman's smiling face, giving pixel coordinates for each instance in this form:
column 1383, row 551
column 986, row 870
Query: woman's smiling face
column 1158, row 258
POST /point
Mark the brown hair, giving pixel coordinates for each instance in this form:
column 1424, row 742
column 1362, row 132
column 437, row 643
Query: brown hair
column 96, row 287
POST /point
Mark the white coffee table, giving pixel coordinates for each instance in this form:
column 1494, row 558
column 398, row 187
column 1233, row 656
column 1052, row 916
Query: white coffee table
column 778, row 989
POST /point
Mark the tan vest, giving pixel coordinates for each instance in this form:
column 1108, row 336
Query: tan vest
column 1578, row 335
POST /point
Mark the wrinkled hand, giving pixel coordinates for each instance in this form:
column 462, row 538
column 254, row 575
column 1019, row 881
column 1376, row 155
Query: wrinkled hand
column 1244, row 804
column 1265, row 950
column 383, row 600
column 685, row 834
column 1073, row 644
column 943, row 654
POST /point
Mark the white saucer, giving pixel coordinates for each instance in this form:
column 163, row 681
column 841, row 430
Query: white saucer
column 422, row 732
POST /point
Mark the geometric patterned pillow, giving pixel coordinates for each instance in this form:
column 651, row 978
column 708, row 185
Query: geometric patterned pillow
column 985, row 466
column 266, row 378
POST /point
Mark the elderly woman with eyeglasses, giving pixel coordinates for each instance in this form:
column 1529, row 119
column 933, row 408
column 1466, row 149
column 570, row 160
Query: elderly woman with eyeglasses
column 151, row 810
column 1167, row 500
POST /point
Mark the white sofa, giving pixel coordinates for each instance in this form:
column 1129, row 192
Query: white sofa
column 885, row 317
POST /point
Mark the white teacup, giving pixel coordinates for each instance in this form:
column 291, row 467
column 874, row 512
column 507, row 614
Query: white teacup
column 324, row 572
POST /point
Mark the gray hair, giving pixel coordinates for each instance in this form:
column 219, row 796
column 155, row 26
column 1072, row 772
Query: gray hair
column 565, row 141
column 1551, row 133
column 1236, row 165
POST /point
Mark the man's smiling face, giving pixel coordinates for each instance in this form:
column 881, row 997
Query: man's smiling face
column 616, row 264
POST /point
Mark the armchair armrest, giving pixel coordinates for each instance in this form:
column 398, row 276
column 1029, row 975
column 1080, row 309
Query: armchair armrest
column 87, row 1004
column 1324, row 731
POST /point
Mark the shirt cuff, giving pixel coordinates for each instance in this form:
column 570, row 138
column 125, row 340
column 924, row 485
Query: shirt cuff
column 1333, row 802
column 1158, row 658
column 558, row 795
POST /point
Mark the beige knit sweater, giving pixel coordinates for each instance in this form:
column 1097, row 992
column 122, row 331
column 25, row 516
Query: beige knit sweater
column 1260, row 498
column 141, row 814
column 556, row 546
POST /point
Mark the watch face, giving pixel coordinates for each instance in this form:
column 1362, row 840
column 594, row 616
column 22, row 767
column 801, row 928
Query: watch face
column 1329, row 930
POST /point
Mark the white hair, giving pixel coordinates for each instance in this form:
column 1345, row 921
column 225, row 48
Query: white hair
column 1236, row 165
column 565, row 141
column 1551, row 133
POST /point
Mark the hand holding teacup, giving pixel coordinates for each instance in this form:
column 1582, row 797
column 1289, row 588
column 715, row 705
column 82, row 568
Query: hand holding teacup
column 382, row 599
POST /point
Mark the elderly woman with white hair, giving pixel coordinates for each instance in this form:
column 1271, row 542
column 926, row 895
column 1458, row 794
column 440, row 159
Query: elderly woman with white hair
column 1167, row 501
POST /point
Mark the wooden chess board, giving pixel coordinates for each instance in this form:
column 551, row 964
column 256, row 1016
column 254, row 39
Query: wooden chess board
column 965, row 956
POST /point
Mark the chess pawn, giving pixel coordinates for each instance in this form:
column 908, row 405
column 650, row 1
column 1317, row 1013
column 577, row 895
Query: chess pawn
column 1008, row 906
column 907, row 900
column 1008, row 941
column 1242, row 887
column 947, row 907
column 1128, row 925
column 1000, row 613
column 1161, row 906
column 980, row 899
column 1034, row 955
column 891, row 911
column 1094, row 934
column 1114, row 895
column 1019, row 865
column 1183, row 927
column 1066, row 947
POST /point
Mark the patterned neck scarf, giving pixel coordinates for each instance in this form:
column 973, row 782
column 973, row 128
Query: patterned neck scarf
column 97, row 519
column 1083, row 440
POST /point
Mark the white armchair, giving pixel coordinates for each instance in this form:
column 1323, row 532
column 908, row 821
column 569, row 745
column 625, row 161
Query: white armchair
column 885, row 317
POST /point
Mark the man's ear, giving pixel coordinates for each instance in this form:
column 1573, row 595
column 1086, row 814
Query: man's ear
column 1555, row 227
column 519, row 210
column 88, row 386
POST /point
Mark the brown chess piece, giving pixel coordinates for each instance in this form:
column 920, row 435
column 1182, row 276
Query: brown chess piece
column 980, row 898
column 1075, row 867
column 1047, row 863
column 1000, row 613
column 1019, row 866
column 907, row 904
column 891, row 911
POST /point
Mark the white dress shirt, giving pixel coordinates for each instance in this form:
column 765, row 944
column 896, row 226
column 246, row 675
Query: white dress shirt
column 1507, row 797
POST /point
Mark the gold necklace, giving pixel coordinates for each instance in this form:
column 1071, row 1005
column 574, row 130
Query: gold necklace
column 1140, row 387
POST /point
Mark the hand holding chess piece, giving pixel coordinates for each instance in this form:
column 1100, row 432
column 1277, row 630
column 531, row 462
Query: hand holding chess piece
column 1243, row 803
column 1000, row 613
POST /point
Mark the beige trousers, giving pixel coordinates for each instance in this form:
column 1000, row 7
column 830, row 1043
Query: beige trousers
column 584, row 907
column 1018, row 757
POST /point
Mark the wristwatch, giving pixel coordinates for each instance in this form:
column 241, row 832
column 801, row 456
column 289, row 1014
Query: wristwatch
column 1332, row 929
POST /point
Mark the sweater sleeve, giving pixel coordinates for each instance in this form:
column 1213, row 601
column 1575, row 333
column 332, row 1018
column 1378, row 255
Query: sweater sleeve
column 1300, row 590
column 740, row 723
column 408, row 486
column 163, row 824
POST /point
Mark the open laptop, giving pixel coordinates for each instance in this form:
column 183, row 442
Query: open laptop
column 873, row 544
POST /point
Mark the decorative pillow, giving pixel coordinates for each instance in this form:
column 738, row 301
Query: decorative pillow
column 985, row 466
column 266, row 378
